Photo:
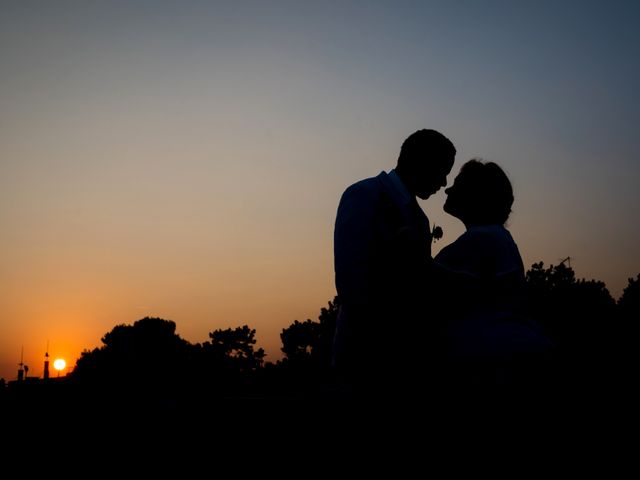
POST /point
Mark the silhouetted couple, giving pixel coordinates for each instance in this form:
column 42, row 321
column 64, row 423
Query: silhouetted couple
column 409, row 323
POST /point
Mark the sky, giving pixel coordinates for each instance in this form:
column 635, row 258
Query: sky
column 185, row 159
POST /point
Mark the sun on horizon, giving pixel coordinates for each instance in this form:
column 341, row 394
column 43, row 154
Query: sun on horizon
column 59, row 364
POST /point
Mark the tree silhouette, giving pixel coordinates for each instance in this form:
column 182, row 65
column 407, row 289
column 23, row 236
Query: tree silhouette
column 308, row 344
column 149, row 351
column 629, row 317
column 298, row 340
column 629, row 302
column 579, row 316
column 306, row 368
column 567, row 307
column 233, row 350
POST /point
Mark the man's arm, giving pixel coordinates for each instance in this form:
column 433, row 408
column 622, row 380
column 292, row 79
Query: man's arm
column 353, row 246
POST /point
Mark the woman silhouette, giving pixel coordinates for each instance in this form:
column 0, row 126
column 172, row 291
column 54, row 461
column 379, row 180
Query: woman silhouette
column 489, row 340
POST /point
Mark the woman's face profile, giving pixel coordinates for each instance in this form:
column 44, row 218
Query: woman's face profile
column 459, row 197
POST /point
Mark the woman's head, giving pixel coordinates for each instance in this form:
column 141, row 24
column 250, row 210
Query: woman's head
column 481, row 194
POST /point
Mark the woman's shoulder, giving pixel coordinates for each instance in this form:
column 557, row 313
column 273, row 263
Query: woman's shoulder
column 456, row 254
column 471, row 241
column 485, row 250
column 487, row 238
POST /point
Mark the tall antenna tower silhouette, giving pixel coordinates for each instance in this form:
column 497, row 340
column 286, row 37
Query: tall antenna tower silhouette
column 568, row 260
column 21, row 365
column 46, row 362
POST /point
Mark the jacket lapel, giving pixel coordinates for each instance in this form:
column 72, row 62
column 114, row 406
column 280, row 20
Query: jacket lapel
column 410, row 210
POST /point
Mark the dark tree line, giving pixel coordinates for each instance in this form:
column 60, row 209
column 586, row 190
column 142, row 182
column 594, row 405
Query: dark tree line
column 145, row 385
column 307, row 345
column 593, row 333
column 150, row 358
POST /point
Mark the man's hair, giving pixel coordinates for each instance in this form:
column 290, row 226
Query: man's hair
column 425, row 143
column 489, row 191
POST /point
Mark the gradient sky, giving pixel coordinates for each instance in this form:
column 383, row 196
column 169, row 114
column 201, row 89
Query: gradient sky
column 185, row 159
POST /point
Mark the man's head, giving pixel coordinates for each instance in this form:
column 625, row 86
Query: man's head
column 425, row 160
column 480, row 195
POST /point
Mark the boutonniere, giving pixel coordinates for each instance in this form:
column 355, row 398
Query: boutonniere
column 436, row 233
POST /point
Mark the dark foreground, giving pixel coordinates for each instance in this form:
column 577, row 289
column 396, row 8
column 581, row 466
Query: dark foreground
column 152, row 432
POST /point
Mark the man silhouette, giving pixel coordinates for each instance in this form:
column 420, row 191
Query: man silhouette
column 382, row 260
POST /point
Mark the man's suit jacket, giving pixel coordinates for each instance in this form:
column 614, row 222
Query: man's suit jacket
column 382, row 243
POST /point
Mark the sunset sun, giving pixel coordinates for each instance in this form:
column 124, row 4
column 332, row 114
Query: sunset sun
column 59, row 364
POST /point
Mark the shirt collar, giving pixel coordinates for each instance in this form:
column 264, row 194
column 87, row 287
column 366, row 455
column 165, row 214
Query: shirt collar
column 400, row 186
column 486, row 228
